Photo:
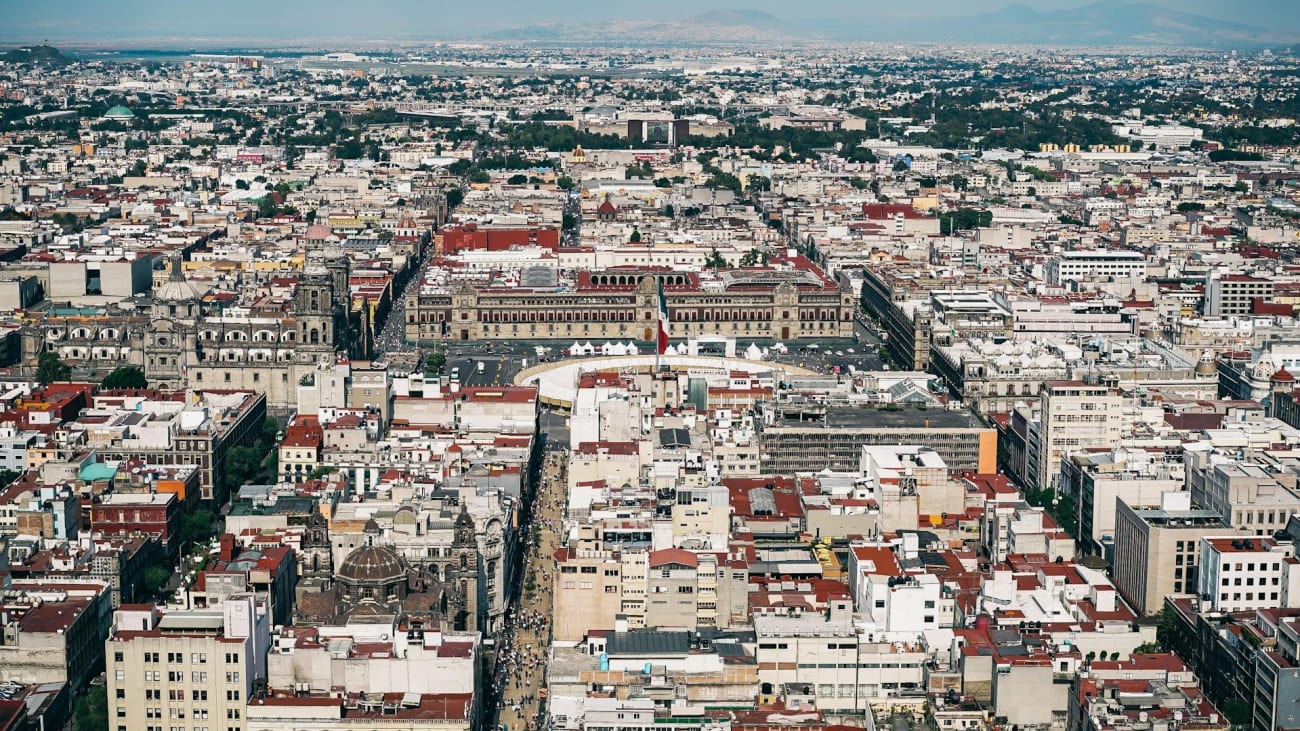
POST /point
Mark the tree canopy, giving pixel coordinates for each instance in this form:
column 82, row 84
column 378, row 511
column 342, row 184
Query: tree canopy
column 125, row 377
column 50, row 368
column 91, row 712
column 964, row 219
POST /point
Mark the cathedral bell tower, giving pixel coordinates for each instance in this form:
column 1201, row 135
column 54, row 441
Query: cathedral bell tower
column 464, row 545
column 314, row 309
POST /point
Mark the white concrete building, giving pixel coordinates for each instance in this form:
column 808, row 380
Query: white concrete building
column 1242, row 574
column 1094, row 266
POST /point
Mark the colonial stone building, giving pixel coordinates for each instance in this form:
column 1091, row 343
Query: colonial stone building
column 623, row 303
column 181, row 344
column 435, row 592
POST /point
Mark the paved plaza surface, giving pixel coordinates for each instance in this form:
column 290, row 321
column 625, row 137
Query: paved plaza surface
column 524, row 651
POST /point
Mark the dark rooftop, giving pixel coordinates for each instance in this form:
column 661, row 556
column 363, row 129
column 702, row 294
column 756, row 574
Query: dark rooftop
column 649, row 642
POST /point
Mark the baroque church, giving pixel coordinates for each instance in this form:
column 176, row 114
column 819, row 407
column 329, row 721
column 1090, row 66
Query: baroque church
column 437, row 592
column 180, row 343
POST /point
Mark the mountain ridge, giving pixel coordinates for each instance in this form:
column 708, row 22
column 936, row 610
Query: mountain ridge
column 1101, row 23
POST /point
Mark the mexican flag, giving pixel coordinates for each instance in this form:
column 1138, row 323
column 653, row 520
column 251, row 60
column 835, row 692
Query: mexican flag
column 663, row 320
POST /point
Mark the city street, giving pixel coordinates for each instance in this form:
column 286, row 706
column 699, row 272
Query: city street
column 498, row 370
column 525, row 647
column 392, row 336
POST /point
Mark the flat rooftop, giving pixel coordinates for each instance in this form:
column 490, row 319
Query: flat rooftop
column 906, row 417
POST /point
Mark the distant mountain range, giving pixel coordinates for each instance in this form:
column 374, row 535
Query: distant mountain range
column 1103, row 23
column 726, row 26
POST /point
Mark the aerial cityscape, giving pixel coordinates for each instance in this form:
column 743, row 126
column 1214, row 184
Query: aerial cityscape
column 582, row 367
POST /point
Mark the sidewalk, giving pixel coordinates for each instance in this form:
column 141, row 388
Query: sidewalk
column 521, row 667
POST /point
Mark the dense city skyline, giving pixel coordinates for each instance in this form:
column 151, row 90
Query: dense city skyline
column 632, row 368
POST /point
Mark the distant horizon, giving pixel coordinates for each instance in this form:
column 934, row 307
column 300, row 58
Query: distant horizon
column 168, row 25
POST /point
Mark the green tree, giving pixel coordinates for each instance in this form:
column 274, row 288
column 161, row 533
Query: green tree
column 1146, row 648
column 753, row 258
column 91, row 711
column 154, row 580
column 480, row 177
column 900, row 166
column 50, row 368
column 569, row 222
column 725, row 181
column 715, row 260
column 435, row 361
column 454, row 197
column 242, row 464
column 517, row 179
column 663, row 183
column 197, row 527
column 564, row 182
column 1234, row 155
column 964, row 219
column 125, row 377
column 8, row 477
column 270, row 433
column 1187, row 206
column 1237, row 711
column 636, row 237
column 241, row 184
column 350, row 150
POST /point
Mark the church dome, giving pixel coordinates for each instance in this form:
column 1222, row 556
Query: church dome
column 318, row 232
column 177, row 288
column 119, row 112
column 372, row 565
column 176, row 291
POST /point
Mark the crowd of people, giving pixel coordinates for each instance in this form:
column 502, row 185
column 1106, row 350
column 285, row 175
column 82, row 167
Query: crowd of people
column 523, row 646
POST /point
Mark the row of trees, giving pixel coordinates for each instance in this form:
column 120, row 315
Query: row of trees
column 964, row 219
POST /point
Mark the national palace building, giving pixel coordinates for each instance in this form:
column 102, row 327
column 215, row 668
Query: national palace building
column 789, row 300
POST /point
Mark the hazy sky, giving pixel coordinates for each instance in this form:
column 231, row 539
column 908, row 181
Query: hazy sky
column 88, row 20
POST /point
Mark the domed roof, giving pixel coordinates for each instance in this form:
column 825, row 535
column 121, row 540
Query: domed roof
column 372, row 565
column 318, row 232
column 119, row 112
column 1282, row 376
column 177, row 288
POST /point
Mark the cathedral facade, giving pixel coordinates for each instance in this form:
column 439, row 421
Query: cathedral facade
column 179, row 344
column 436, row 591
